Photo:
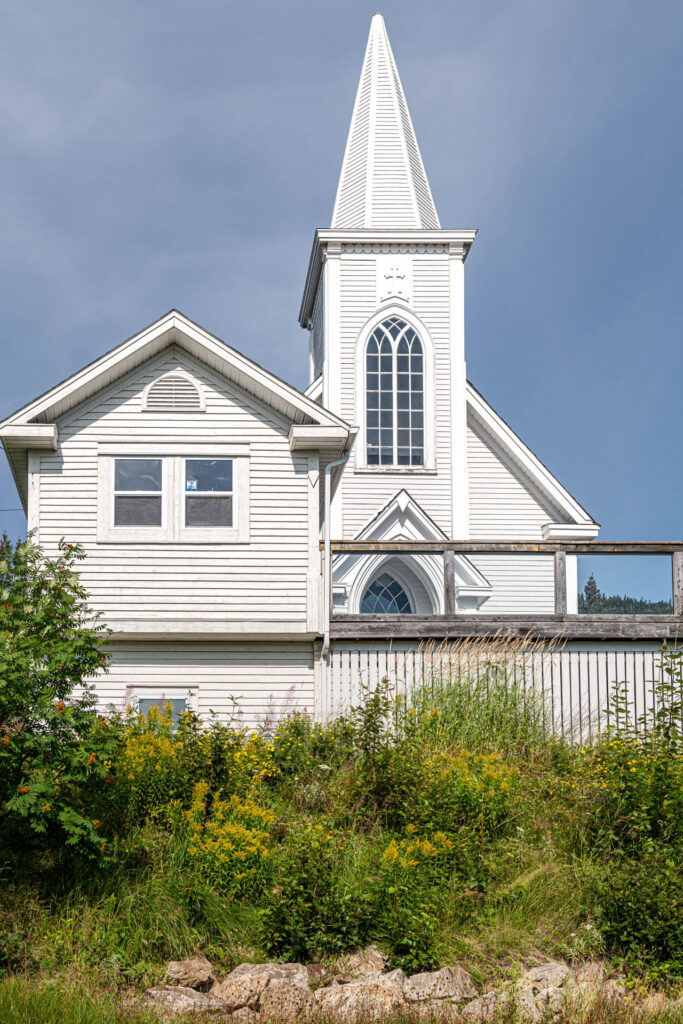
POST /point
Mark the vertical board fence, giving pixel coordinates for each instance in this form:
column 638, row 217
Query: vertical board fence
column 573, row 686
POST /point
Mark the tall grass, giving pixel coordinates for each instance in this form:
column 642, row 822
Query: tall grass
column 484, row 695
column 25, row 1001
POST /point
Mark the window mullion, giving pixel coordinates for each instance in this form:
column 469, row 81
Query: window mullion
column 394, row 391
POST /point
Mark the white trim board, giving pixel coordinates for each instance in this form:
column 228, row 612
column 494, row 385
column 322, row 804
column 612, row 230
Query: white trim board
column 530, row 464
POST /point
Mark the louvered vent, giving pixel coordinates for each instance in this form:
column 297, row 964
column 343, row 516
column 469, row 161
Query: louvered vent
column 174, row 392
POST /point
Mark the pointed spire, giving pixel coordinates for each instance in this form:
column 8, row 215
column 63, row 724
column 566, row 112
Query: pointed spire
column 383, row 182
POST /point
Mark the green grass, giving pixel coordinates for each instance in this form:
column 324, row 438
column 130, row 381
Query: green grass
column 473, row 758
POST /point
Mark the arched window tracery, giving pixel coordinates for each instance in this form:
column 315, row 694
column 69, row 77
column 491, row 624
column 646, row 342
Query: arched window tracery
column 385, row 596
column 394, row 395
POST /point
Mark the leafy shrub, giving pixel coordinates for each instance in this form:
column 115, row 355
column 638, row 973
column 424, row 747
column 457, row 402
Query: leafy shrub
column 455, row 789
column 640, row 905
column 321, row 900
column 228, row 845
column 53, row 745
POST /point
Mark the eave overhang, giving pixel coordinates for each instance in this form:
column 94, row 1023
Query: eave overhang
column 454, row 241
column 309, row 437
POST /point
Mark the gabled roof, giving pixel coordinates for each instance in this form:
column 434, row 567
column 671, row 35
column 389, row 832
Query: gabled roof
column 33, row 426
column 402, row 518
column 529, row 464
column 173, row 329
column 383, row 182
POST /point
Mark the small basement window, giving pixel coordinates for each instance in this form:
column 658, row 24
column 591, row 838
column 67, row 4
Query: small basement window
column 177, row 705
column 138, row 492
column 174, row 392
column 209, row 493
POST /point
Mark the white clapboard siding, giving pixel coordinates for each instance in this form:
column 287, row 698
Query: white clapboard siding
column 260, row 677
column 572, row 684
column 263, row 582
column 318, row 320
column 365, row 493
column 522, row 584
column 504, row 504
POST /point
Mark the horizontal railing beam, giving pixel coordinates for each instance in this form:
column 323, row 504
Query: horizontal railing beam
column 540, row 547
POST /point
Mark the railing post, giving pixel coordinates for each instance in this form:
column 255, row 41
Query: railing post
column 449, row 582
column 560, row 583
column 677, row 581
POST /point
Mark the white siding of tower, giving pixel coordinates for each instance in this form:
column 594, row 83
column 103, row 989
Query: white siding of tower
column 365, row 492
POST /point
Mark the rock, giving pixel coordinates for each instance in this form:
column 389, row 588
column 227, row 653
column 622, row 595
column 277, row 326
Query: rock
column 372, row 998
column 490, row 1006
column 449, row 983
column 316, row 973
column 550, row 975
column 365, row 961
column 550, row 1001
column 286, row 1000
column 656, row 1002
column 441, row 1011
column 246, row 984
column 172, row 999
column 244, row 1016
column 614, row 991
column 482, row 1009
column 194, row 972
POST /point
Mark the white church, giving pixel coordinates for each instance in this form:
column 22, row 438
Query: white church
column 207, row 492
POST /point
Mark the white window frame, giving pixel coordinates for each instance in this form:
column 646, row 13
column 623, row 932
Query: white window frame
column 113, row 493
column 173, row 529
column 209, row 531
column 158, row 693
column 360, row 447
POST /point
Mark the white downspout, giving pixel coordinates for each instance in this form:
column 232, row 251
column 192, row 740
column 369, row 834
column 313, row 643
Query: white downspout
column 327, row 587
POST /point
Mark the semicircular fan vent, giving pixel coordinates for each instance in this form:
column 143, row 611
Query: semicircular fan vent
column 175, row 392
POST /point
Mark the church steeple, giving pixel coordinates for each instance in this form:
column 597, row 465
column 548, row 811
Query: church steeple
column 383, row 182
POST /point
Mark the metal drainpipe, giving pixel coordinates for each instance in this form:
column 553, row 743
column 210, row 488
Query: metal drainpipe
column 327, row 588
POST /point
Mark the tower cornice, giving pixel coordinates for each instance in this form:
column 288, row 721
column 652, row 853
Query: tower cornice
column 453, row 242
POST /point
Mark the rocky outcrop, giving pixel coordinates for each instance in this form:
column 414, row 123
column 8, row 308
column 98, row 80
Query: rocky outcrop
column 274, row 993
column 176, row 999
column 195, row 972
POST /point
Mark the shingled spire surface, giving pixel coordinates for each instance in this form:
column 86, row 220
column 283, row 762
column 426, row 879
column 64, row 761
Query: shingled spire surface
column 383, row 182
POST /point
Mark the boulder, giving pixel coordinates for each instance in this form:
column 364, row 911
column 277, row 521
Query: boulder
column 244, row 987
column 550, row 975
column 244, row 1016
column 194, row 972
column 173, row 999
column 372, row 998
column 551, row 1001
column 286, row 1000
column 370, row 960
column 490, row 1006
column 448, row 983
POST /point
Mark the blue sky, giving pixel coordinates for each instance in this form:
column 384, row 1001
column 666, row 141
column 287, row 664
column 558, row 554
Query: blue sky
column 182, row 153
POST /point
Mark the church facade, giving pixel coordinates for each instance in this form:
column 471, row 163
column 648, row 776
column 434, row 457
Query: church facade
column 205, row 490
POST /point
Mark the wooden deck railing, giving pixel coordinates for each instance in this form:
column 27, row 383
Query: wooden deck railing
column 455, row 623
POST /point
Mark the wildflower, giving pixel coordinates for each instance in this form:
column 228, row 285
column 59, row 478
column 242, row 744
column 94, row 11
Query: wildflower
column 23, row 789
column 5, row 740
column 91, row 759
column 46, row 808
column 60, row 706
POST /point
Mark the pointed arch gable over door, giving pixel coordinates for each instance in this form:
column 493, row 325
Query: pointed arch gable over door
column 391, row 328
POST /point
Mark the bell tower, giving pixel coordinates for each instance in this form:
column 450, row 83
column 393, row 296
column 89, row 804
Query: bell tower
column 384, row 305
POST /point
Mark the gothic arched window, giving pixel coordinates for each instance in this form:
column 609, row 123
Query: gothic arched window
column 394, row 396
column 385, row 596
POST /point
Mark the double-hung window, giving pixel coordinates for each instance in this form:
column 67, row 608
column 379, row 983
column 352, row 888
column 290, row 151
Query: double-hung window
column 209, row 497
column 172, row 492
column 138, row 493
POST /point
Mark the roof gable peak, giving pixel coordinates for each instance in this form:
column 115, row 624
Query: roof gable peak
column 383, row 183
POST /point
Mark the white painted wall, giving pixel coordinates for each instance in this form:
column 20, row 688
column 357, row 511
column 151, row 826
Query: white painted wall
column 257, row 587
column 259, row 675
